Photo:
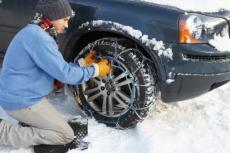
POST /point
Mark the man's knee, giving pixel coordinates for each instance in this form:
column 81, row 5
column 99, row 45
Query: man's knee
column 68, row 135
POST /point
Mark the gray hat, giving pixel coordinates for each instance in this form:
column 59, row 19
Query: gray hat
column 54, row 9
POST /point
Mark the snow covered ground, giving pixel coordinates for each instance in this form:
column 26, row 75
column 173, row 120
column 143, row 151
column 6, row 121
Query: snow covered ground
column 200, row 125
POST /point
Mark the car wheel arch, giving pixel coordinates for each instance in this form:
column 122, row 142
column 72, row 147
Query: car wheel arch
column 82, row 37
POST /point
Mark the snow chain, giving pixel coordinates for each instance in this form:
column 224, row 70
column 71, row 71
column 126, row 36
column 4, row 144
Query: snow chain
column 131, row 107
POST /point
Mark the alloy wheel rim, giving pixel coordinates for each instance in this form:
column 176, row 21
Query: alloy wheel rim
column 112, row 95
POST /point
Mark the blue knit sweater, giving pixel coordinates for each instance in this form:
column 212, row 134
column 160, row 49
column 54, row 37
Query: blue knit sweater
column 31, row 64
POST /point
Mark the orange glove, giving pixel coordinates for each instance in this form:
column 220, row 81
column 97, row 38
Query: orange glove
column 102, row 68
column 88, row 60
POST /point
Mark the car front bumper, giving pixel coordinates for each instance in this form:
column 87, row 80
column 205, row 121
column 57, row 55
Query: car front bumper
column 188, row 86
column 203, row 70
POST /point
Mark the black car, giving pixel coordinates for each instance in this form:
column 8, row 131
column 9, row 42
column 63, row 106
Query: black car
column 155, row 50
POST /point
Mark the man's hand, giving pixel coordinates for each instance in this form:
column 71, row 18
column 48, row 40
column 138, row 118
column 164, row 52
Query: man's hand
column 88, row 60
column 102, row 68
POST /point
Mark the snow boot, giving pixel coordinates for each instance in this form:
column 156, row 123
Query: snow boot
column 76, row 144
column 80, row 128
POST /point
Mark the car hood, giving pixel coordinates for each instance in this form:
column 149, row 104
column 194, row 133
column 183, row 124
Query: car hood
column 222, row 14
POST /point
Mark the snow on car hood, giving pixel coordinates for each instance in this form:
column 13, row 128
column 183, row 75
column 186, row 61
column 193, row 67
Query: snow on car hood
column 221, row 43
column 195, row 5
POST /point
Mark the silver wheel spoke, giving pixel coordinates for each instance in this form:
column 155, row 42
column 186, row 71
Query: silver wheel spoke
column 128, row 81
column 110, row 106
column 121, row 103
column 123, row 96
column 104, row 105
column 122, row 75
column 90, row 91
column 90, row 99
column 96, row 81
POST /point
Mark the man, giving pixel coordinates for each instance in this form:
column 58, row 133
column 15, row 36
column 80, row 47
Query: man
column 31, row 64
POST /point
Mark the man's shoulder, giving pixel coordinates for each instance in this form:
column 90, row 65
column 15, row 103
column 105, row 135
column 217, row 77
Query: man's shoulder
column 34, row 31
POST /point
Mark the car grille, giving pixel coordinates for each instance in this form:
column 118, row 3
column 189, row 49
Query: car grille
column 222, row 58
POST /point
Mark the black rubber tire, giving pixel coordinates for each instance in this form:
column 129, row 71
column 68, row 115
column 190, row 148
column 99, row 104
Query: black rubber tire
column 145, row 82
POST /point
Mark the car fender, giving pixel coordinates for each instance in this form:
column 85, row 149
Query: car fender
column 155, row 49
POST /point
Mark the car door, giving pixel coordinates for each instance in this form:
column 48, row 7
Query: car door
column 14, row 15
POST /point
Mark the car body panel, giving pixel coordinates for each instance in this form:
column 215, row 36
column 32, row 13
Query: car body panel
column 190, row 62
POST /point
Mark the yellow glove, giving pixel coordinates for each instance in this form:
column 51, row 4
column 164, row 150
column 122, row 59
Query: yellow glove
column 88, row 60
column 102, row 68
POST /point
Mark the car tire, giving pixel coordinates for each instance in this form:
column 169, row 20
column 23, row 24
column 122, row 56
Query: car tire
column 123, row 98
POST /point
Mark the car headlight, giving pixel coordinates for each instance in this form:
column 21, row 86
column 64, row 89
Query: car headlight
column 197, row 28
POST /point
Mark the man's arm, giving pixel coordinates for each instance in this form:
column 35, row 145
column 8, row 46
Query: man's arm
column 48, row 58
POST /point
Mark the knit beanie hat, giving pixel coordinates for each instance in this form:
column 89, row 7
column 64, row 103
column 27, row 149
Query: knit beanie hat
column 54, row 9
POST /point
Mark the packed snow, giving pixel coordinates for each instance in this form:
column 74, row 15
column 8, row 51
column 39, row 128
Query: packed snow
column 221, row 43
column 199, row 125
